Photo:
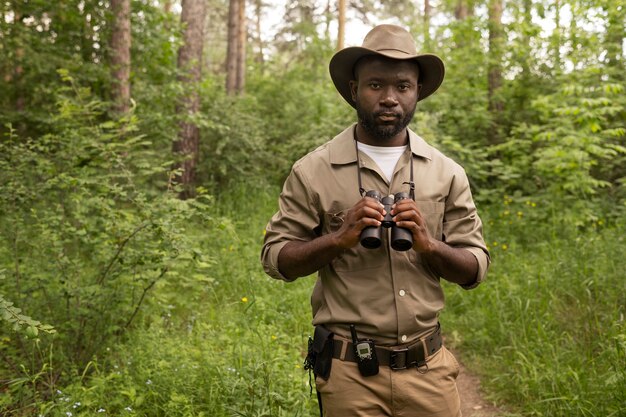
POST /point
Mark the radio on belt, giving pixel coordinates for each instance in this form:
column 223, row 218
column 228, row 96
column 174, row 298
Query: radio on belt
column 365, row 352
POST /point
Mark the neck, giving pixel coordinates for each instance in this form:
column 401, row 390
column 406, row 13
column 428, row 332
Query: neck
column 361, row 135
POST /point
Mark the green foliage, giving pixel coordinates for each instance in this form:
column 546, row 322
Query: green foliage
column 14, row 316
column 573, row 154
column 460, row 106
column 233, row 140
column 546, row 330
column 257, row 137
column 159, row 305
column 235, row 349
column 156, row 39
column 81, row 245
column 301, row 109
column 42, row 37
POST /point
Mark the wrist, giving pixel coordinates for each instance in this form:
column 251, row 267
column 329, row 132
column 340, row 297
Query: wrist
column 431, row 247
column 337, row 242
column 344, row 240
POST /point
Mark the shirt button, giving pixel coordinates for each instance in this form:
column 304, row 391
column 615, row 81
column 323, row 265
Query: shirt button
column 403, row 338
column 402, row 293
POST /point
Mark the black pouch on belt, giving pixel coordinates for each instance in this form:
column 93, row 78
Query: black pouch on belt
column 322, row 349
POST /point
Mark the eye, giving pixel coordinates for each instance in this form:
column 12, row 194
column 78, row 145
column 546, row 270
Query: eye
column 374, row 85
column 404, row 87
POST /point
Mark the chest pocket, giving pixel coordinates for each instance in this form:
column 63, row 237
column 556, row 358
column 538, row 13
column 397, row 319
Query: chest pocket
column 432, row 212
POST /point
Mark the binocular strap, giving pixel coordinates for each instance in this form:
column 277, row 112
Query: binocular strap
column 411, row 183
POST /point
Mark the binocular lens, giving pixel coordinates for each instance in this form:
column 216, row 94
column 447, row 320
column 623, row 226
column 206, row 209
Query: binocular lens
column 370, row 237
column 400, row 243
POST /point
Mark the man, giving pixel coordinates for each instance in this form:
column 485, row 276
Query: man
column 395, row 364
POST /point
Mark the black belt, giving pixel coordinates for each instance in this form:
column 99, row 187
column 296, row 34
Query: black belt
column 397, row 358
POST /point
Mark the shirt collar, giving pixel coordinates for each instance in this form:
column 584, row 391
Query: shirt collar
column 342, row 150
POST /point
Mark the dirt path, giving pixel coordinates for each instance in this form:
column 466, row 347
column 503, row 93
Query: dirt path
column 472, row 402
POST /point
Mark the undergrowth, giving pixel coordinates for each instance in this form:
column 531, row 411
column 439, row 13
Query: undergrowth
column 545, row 332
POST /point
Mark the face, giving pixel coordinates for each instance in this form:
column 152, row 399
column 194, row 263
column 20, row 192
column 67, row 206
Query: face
column 385, row 94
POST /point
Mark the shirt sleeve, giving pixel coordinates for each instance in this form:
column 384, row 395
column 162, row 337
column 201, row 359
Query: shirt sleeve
column 462, row 228
column 296, row 220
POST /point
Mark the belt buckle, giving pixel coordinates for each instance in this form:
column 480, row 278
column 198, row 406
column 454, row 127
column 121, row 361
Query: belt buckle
column 393, row 359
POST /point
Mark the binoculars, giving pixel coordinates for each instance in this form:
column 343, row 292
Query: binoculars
column 401, row 239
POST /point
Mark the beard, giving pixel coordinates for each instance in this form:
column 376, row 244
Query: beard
column 383, row 131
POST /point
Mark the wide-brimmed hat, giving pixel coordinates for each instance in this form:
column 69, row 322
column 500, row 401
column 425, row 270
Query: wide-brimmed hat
column 390, row 41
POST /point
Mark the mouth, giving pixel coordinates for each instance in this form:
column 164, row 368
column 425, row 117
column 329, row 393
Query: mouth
column 387, row 116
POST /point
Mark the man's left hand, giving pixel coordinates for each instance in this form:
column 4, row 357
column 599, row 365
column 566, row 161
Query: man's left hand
column 407, row 215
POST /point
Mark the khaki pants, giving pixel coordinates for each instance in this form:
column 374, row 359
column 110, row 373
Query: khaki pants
column 404, row 393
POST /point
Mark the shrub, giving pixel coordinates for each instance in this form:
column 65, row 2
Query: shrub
column 81, row 244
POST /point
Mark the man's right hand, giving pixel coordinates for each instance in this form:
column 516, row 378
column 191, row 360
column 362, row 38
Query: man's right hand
column 366, row 212
column 298, row 259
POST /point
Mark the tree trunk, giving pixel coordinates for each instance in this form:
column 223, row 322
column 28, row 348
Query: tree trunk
column 190, row 66
column 242, row 36
column 14, row 70
column 236, row 48
column 341, row 24
column 461, row 11
column 496, row 39
column 120, row 56
column 260, row 58
column 231, row 52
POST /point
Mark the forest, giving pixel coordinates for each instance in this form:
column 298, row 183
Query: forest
column 143, row 146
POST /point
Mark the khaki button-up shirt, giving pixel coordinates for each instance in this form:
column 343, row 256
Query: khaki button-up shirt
column 391, row 297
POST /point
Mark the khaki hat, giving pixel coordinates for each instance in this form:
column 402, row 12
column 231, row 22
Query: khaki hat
column 392, row 42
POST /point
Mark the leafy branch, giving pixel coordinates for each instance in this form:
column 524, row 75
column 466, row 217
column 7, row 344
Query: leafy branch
column 120, row 248
column 14, row 316
column 143, row 295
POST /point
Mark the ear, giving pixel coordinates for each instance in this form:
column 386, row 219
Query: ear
column 419, row 90
column 353, row 89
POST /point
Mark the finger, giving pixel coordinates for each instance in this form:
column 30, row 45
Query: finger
column 372, row 201
column 367, row 222
column 371, row 204
column 371, row 212
column 407, row 214
column 404, row 205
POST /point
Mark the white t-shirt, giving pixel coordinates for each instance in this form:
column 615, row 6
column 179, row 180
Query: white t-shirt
column 386, row 157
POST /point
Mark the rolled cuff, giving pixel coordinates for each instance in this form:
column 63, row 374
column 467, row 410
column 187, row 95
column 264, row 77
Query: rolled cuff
column 269, row 258
column 483, row 264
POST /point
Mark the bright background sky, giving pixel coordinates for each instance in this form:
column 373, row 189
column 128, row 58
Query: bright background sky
column 355, row 29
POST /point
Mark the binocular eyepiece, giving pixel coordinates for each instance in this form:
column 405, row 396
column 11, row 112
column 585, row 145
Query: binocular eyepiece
column 401, row 238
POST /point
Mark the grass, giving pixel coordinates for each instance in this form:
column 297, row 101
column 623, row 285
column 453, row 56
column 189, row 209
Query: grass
column 547, row 329
column 545, row 332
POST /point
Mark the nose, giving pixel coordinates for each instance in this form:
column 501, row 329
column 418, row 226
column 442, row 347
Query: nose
column 388, row 98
